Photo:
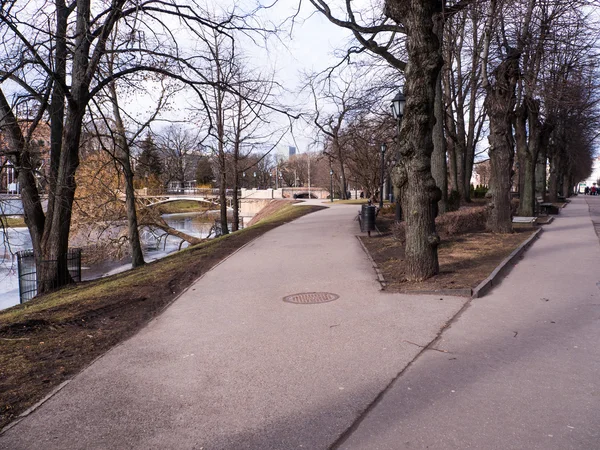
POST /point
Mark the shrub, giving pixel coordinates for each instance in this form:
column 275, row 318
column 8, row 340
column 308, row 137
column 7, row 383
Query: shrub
column 479, row 191
column 465, row 220
column 453, row 201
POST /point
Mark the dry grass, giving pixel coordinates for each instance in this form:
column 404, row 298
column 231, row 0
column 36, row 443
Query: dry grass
column 465, row 260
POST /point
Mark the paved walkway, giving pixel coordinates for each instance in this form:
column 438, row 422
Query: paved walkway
column 522, row 368
column 231, row 366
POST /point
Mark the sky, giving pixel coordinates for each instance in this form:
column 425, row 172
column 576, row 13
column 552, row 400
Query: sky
column 308, row 46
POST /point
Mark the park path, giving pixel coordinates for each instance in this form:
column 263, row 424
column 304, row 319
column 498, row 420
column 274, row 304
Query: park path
column 520, row 367
column 231, row 366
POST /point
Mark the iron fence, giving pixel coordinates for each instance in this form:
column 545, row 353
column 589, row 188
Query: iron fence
column 29, row 281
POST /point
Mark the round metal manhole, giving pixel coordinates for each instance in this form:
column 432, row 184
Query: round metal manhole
column 311, row 298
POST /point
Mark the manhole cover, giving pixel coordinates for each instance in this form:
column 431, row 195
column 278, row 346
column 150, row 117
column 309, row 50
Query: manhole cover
column 308, row 298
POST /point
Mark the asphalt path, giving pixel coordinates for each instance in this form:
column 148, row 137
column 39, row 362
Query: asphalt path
column 519, row 369
column 230, row 365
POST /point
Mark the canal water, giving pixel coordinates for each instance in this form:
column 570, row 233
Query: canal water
column 156, row 245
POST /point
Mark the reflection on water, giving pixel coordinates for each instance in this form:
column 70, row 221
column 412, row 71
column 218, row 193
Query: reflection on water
column 156, row 243
column 13, row 240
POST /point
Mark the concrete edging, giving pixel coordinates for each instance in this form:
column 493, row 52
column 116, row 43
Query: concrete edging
column 482, row 288
column 494, row 278
column 380, row 278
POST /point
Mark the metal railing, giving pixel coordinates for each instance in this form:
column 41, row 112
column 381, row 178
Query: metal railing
column 29, row 281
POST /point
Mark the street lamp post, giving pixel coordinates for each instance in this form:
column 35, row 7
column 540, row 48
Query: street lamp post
column 331, row 183
column 383, row 149
column 255, row 181
column 398, row 104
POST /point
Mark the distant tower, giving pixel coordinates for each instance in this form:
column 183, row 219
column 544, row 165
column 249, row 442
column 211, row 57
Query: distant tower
column 292, row 151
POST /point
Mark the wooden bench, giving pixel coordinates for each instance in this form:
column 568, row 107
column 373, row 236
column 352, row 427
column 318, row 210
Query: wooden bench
column 524, row 219
column 545, row 207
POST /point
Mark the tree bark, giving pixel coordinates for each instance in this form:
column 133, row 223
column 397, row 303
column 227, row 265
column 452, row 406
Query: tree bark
column 439, row 167
column 236, row 184
column 499, row 103
column 526, row 206
column 419, row 191
column 123, row 154
column 540, row 173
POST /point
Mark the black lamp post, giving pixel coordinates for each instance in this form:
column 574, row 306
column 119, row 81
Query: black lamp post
column 383, row 149
column 398, row 104
column 331, row 183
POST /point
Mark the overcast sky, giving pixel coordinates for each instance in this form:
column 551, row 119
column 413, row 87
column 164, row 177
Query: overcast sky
column 308, row 46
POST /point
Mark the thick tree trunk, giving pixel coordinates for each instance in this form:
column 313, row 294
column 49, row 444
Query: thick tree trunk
column 419, row 192
column 499, row 103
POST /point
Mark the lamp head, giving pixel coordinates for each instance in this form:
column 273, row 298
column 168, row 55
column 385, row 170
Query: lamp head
column 398, row 104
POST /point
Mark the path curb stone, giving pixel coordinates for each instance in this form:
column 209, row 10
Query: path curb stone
column 482, row 288
column 495, row 277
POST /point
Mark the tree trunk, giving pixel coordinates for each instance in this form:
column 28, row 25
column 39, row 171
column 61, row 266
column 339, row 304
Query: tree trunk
column 526, row 205
column 236, row 184
column 419, row 191
column 223, row 193
column 499, row 103
column 22, row 161
column 453, row 180
column 439, row 169
column 540, row 173
column 123, row 156
column 555, row 175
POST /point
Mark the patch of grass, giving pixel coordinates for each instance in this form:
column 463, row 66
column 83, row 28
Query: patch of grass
column 354, row 201
column 12, row 221
column 183, row 206
column 52, row 337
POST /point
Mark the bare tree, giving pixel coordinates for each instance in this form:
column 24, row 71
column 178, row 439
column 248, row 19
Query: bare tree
column 179, row 148
column 463, row 116
column 60, row 42
column 413, row 178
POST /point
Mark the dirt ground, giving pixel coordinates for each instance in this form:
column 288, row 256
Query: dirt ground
column 465, row 260
column 51, row 338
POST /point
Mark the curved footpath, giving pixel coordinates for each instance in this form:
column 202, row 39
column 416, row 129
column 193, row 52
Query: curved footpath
column 231, row 366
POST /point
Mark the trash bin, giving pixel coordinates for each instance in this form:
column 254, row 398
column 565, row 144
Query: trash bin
column 367, row 218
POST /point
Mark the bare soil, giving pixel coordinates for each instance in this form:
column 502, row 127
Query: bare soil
column 465, row 260
column 53, row 337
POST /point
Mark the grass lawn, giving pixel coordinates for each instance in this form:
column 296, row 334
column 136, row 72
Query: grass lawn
column 184, row 206
column 12, row 221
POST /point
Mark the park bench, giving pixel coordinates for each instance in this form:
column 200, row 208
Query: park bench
column 524, row 219
column 545, row 207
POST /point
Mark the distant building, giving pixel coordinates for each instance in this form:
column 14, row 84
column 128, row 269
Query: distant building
column 292, row 151
column 40, row 151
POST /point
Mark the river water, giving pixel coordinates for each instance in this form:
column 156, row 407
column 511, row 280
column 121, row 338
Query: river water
column 156, row 245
